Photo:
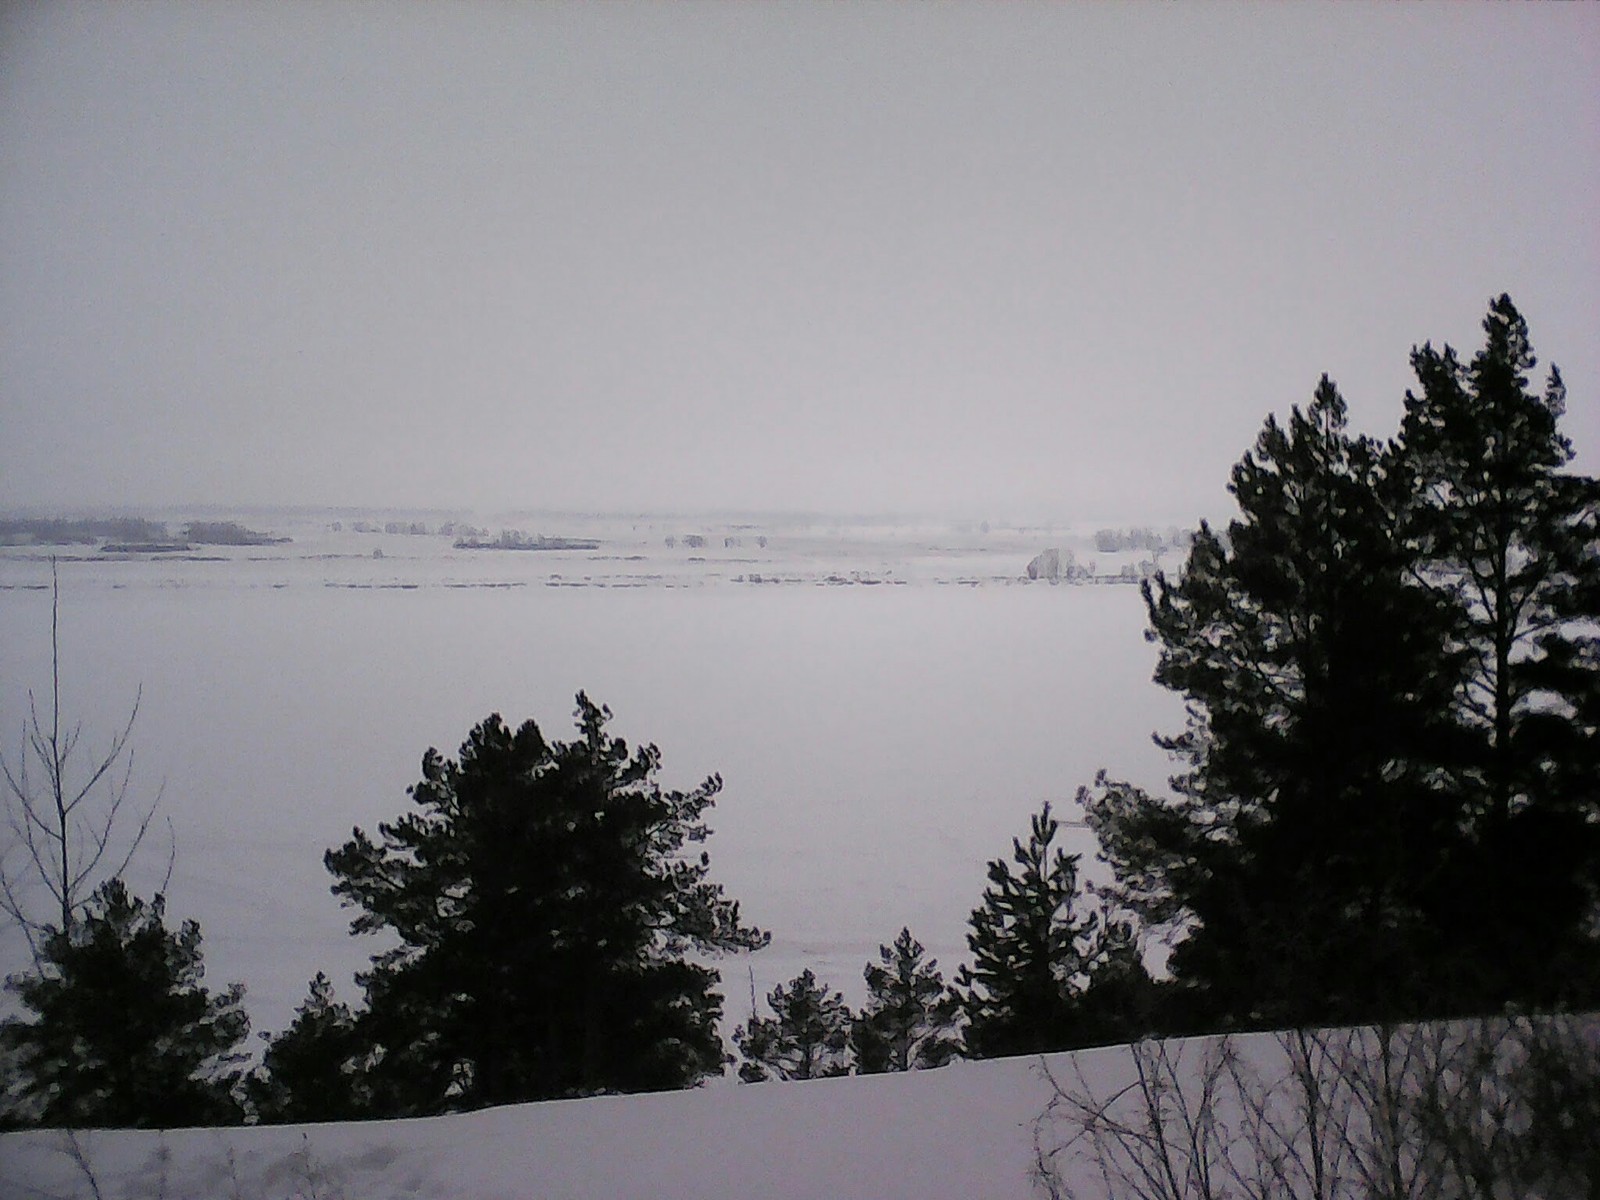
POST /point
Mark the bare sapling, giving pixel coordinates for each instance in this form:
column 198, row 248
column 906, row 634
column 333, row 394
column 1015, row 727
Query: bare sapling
column 72, row 821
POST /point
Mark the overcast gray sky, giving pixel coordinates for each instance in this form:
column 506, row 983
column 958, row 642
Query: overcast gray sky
column 1004, row 260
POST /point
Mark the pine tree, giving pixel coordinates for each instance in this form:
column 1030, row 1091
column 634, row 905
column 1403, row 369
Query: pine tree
column 124, row 1033
column 807, row 1037
column 316, row 1069
column 910, row 1021
column 545, row 902
column 1121, row 1003
column 1510, row 538
column 1032, row 953
column 1298, row 859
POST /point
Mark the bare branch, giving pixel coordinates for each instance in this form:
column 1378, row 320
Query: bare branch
column 67, row 836
column 75, row 1150
column 1499, row 1108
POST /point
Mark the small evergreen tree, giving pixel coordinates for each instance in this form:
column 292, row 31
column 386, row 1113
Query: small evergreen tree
column 1032, row 953
column 124, row 1034
column 807, row 1037
column 316, row 1069
column 910, row 1019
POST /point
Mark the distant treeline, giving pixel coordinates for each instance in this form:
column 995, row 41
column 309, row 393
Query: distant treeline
column 411, row 528
column 1111, row 541
column 126, row 531
column 86, row 531
column 696, row 541
column 227, row 533
column 515, row 539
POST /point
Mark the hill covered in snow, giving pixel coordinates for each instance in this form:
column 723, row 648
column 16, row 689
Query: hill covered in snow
column 1492, row 1107
column 960, row 1132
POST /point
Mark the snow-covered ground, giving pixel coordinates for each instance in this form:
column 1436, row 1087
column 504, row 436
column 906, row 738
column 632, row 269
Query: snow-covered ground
column 886, row 707
column 964, row 1132
column 1416, row 1103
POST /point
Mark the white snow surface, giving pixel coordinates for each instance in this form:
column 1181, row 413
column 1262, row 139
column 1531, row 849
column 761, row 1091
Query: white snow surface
column 968, row 1131
column 964, row 1132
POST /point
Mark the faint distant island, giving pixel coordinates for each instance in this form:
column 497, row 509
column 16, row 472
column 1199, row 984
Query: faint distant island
column 128, row 535
column 515, row 539
column 228, row 533
column 79, row 531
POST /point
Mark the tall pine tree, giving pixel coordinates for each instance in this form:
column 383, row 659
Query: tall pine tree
column 546, row 899
column 1298, row 859
column 1510, row 538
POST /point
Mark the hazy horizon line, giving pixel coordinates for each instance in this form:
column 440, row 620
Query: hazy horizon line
column 997, row 516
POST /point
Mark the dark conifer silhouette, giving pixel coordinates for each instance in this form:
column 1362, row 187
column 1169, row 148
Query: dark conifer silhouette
column 1033, row 954
column 1511, row 539
column 1385, row 804
column 1311, row 813
column 124, row 1034
column 318, row 1068
column 910, row 1021
column 807, row 1037
column 546, row 900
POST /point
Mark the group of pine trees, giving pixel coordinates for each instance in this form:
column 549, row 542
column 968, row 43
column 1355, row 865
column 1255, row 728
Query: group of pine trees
column 1045, row 975
column 547, row 912
column 1387, row 806
column 910, row 1022
column 1388, row 796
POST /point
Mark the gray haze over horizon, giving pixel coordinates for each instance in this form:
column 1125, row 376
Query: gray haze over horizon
column 1007, row 261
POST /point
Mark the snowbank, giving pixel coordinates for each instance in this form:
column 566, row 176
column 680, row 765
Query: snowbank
column 962, row 1132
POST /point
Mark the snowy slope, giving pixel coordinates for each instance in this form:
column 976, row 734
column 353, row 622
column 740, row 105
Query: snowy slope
column 962, row 1133
column 1231, row 1107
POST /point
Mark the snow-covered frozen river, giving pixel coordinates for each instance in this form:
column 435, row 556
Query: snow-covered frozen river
column 886, row 706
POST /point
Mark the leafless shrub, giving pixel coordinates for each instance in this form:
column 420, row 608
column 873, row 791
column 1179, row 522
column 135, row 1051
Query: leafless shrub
column 310, row 1178
column 1500, row 1108
column 1153, row 1138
